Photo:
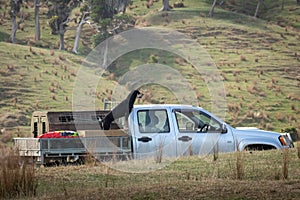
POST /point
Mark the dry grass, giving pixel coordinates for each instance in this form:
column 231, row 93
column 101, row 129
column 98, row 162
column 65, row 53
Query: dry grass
column 216, row 152
column 240, row 162
column 298, row 149
column 279, row 116
column 240, row 175
column 17, row 177
column 159, row 152
column 285, row 159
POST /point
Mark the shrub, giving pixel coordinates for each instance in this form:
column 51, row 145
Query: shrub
column 153, row 59
column 293, row 132
column 243, row 58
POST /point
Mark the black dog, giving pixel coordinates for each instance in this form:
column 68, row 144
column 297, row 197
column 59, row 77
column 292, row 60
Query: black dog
column 122, row 109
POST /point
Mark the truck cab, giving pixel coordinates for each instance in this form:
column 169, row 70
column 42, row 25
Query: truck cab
column 176, row 130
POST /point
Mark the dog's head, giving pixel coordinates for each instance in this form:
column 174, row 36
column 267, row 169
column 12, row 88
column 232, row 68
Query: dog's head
column 137, row 94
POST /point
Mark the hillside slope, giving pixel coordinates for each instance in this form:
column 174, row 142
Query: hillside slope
column 259, row 61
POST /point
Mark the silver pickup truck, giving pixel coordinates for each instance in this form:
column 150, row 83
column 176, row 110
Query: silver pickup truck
column 177, row 130
column 170, row 130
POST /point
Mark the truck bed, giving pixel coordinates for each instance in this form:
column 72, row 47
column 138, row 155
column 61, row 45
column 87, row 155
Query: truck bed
column 102, row 146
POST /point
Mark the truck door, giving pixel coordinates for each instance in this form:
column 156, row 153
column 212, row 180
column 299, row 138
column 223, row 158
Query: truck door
column 153, row 134
column 39, row 125
column 197, row 133
column 43, row 126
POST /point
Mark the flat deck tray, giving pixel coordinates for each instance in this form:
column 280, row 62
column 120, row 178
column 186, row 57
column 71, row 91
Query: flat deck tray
column 107, row 133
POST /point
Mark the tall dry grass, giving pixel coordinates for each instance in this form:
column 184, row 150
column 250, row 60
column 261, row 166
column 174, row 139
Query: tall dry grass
column 285, row 166
column 240, row 165
column 298, row 149
column 159, row 152
column 17, row 178
column 216, row 152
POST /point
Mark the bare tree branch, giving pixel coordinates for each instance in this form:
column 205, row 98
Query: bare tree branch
column 78, row 31
column 211, row 12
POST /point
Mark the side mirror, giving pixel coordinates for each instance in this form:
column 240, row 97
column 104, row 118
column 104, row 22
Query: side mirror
column 224, row 128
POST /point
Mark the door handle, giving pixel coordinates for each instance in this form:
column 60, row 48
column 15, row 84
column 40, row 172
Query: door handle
column 185, row 138
column 144, row 139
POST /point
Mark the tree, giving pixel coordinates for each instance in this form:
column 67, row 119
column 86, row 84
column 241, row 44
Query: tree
column 99, row 15
column 15, row 6
column 104, row 20
column 78, row 31
column 103, row 9
column 257, row 8
column 259, row 3
column 166, row 5
column 37, row 21
column 109, row 27
column 60, row 13
column 211, row 12
column 99, row 10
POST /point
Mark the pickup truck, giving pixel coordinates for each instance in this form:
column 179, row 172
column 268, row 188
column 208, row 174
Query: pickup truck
column 177, row 130
column 169, row 130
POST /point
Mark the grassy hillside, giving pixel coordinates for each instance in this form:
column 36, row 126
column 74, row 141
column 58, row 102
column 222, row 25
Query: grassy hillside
column 258, row 58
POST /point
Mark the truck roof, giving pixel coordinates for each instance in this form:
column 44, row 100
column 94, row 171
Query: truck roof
column 175, row 106
column 180, row 106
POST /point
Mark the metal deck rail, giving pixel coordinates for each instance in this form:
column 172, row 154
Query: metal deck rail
column 52, row 148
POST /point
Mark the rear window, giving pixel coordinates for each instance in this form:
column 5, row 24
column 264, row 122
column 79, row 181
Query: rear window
column 153, row 121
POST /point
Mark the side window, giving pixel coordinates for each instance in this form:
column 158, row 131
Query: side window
column 214, row 126
column 153, row 121
column 195, row 121
column 184, row 122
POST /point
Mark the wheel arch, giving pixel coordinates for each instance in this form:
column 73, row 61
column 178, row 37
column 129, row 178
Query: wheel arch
column 259, row 147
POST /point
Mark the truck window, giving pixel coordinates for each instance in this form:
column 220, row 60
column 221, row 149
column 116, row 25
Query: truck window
column 66, row 118
column 44, row 127
column 193, row 121
column 153, row 121
column 35, row 129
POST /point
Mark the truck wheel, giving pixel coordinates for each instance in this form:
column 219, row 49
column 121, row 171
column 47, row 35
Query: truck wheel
column 57, row 163
column 259, row 147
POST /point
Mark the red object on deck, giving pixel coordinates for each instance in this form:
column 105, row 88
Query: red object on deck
column 60, row 134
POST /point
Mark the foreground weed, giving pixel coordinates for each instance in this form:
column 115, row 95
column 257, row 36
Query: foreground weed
column 285, row 159
column 159, row 152
column 298, row 149
column 240, row 165
column 17, row 178
column 216, row 152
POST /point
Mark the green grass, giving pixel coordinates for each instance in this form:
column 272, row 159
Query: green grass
column 258, row 60
column 185, row 178
column 189, row 177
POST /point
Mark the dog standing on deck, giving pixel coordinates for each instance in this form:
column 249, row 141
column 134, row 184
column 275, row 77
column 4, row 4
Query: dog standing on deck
column 122, row 109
